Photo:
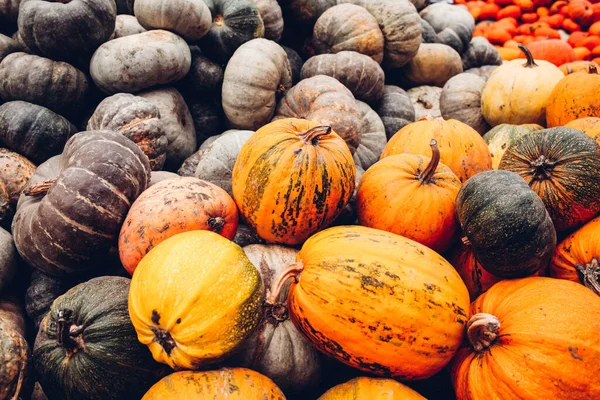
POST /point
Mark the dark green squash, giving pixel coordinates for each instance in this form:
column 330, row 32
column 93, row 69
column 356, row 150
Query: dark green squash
column 205, row 77
column 87, row 348
column 479, row 53
column 9, row 260
column 41, row 293
column 395, row 109
column 562, row 165
column 506, row 223
column 208, row 116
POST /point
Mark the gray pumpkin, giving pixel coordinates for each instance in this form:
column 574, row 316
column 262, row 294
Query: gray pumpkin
column 205, row 77
column 190, row 19
column 8, row 45
column 126, row 25
column 188, row 168
column 433, row 65
column 270, row 12
column 395, row 109
column 483, row 72
column 426, row 101
column 159, row 176
column 479, row 53
column 9, row 259
column 372, row 139
column 454, row 24
column 461, row 100
column 296, row 63
column 428, row 34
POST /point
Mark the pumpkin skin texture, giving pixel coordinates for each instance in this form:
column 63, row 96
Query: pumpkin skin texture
column 171, row 207
column 454, row 25
column 91, row 320
column 371, row 273
column 205, row 76
column 574, row 97
column 372, row 138
column 208, row 117
column 426, row 102
column 371, row 388
column 75, row 243
column 475, row 277
column 577, row 66
column 556, row 51
column 461, row 147
column 133, row 63
column 562, row 165
column 8, row 45
column 216, row 385
column 461, row 100
column 66, row 30
column 433, row 65
column 270, row 12
column 15, row 364
column 41, row 293
column 484, row 71
column 359, row 73
column 257, row 72
column 190, row 19
column 502, row 136
column 523, row 244
column 126, row 25
column 546, row 327
column 428, row 34
column 296, row 63
column 507, row 99
column 9, row 261
column 200, row 271
column 274, row 164
column 245, row 236
column 15, row 172
column 395, row 109
column 479, row 53
column 589, row 125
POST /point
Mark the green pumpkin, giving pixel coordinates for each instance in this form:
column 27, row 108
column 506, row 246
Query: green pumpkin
column 500, row 137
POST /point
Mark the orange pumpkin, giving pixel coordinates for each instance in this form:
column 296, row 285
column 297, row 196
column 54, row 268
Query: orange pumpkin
column 525, row 5
column 548, row 33
column 509, row 12
column 475, row 277
column 529, row 17
column 413, row 196
column 498, row 36
column 576, row 37
column 371, row 388
column 489, row 11
column 529, row 339
column 292, row 178
column 170, row 207
column 557, row 6
column 577, row 66
column 508, row 53
column 542, row 11
column 553, row 50
column 589, row 42
column 569, row 25
column 594, row 29
column 582, row 53
column 589, row 125
column 555, row 21
column 581, row 12
column 595, row 52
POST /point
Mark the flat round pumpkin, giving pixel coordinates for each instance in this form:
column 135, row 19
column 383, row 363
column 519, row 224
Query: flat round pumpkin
column 371, row 388
column 500, row 137
column 574, row 97
column 395, row 109
column 588, row 125
column 434, row 64
column 190, row 19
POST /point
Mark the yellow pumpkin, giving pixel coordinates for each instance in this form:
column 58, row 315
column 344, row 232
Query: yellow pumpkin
column 372, row 389
column 194, row 298
column 589, row 125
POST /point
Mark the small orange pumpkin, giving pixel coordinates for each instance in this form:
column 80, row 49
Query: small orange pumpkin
column 581, row 12
column 576, row 37
column 594, row 29
column 555, row 51
column 590, row 42
column 529, row 17
column 371, row 388
column 569, row 25
column 489, row 11
column 577, row 66
column 509, row 12
column 589, row 125
column 582, row 53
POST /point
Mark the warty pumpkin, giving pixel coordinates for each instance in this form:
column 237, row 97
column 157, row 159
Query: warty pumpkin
column 194, row 298
column 461, row 100
column 500, row 137
column 461, row 147
column 532, row 338
column 15, row 364
column 292, row 178
column 190, row 19
column 413, row 196
column 348, row 283
column 170, row 207
column 395, row 109
column 371, row 388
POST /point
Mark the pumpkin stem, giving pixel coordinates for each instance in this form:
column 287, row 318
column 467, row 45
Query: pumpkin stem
column 589, row 275
column 482, row 331
column 290, row 272
column 65, row 320
column 216, row 224
column 312, row 135
column 425, row 103
column 465, row 240
column 40, row 188
column 164, row 338
column 530, row 63
column 593, row 69
column 541, row 168
column 281, row 89
column 426, row 175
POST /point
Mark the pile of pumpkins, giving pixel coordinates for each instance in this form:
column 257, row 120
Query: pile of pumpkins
column 304, row 199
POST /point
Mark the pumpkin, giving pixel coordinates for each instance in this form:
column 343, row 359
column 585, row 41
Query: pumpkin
column 8, row 46
column 371, row 388
column 372, row 138
column 159, row 176
column 171, row 207
column 66, row 30
column 91, row 321
column 9, row 260
column 461, row 147
column 41, row 293
column 126, row 25
column 15, row 172
column 296, row 63
column 359, row 73
column 573, row 97
column 475, row 277
column 204, row 78
column 200, row 271
column 589, row 125
column 395, row 109
column 461, row 100
column 5, row 211
column 226, row 383
column 507, row 241
column 55, row 85
column 190, row 19
column 483, row 72
column 15, row 365
column 348, row 277
column 245, row 236
column 270, row 12
column 577, row 66
column 255, row 75
column 9, row 13
column 428, row 34
column 479, row 53
column 273, row 164
column 137, row 119
column 581, row 12
column 562, row 165
column 124, row 7
column 502, row 136
column 59, row 235
column 539, row 329
column 454, row 25
column 426, row 102
column 137, row 62
column 506, row 97
column 555, row 51
column 234, row 22
column 433, row 65
column 208, row 117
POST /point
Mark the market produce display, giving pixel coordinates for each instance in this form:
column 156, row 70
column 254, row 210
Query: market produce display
column 299, row 199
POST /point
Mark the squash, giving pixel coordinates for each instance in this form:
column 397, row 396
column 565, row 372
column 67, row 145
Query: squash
column 124, row 7
column 41, row 293
column 426, row 102
column 61, row 236
column 562, row 165
column 372, row 138
column 507, row 98
column 205, row 77
column 270, row 12
column 325, row 100
column 479, row 53
column 556, row 51
column 137, row 62
column 91, row 322
column 15, row 172
column 588, row 125
column 541, row 330
column 200, row 271
column 34, row 131
column 208, row 117
column 9, row 13
column 15, row 364
column 245, row 236
column 159, row 176
column 428, row 34
column 137, row 119
column 270, row 186
column 413, row 196
column 190, row 19
column 371, row 388
column 484, row 71
column 126, row 25
column 461, row 147
column 461, row 100
column 234, row 22
column 9, row 260
column 502, row 136
column 257, row 73
column 359, row 73
column 454, row 25
column 226, row 383
column 507, row 241
column 8, row 45
column 171, row 207
column 577, row 66
column 66, row 30
column 395, row 109
column 475, row 277
column 296, row 63
column 350, row 281
column 56, row 85
column 433, row 65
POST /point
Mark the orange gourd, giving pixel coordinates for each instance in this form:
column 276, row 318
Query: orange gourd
column 581, row 12
column 589, row 125
column 542, row 11
column 371, row 388
column 509, row 12
column 529, row 17
column 482, row 28
column 525, row 5
column 555, row 21
column 517, row 39
column 489, row 11
column 475, row 277
column 577, row 66
column 595, row 52
column 502, row 2
column 582, row 53
column 508, row 53
column 512, row 44
column 570, row 25
column 548, row 33
column 498, row 36
column 575, row 38
column 595, row 29
column 557, row 6
column 589, row 42
column 553, row 50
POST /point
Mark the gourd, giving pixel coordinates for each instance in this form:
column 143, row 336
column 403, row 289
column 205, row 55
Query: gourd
column 208, row 117
column 205, row 77
column 588, row 125
column 426, row 102
column 475, row 277
column 8, row 46
column 15, row 365
column 41, row 293
column 15, row 172
column 433, row 65
column 126, row 25
column 395, row 109
column 556, row 51
column 461, row 100
column 454, row 25
column 9, row 260
column 502, row 136
column 296, row 63
column 190, row 19
column 371, row 388
column 270, row 12
column 479, row 53
column 372, row 137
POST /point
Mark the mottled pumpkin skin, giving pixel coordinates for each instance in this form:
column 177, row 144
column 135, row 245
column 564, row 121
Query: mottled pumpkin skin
column 194, row 298
column 15, row 172
column 547, row 346
column 189, row 19
column 223, row 384
column 461, row 100
column 15, row 360
column 434, row 64
column 287, row 187
column 562, row 165
column 502, row 136
column 171, row 207
column 574, row 97
column 9, row 261
column 588, row 125
column 371, row 388
column 479, row 53
column 353, row 276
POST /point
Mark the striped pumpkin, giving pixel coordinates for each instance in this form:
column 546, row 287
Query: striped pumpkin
column 292, row 178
